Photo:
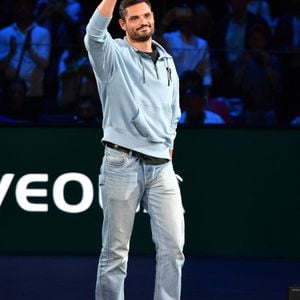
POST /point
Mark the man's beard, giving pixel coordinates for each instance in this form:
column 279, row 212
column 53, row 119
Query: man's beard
column 140, row 37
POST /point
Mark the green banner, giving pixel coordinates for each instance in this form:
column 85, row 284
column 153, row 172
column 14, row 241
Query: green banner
column 240, row 191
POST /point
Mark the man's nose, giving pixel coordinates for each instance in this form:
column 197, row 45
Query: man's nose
column 143, row 20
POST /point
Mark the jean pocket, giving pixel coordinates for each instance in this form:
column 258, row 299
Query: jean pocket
column 115, row 157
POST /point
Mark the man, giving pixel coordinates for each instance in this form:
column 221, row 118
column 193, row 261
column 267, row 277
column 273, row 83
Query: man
column 139, row 92
column 25, row 50
column 231, row 36
column 189, row 51
column 195, row 113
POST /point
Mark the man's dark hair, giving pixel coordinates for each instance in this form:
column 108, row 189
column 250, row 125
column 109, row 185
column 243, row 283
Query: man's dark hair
column 126, row 3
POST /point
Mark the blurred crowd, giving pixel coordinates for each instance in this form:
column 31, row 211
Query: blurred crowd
column 238, row 61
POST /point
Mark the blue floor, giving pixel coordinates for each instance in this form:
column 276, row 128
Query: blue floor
column 62, row 277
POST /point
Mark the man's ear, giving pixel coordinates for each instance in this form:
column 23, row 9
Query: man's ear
column 122, row 24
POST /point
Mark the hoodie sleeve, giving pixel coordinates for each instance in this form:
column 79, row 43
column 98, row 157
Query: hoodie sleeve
column 176, row 112
column 100, row 46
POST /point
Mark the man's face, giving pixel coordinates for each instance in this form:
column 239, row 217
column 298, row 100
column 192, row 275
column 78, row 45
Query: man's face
column 257, row 41
column 23, row 11
column 139, row 22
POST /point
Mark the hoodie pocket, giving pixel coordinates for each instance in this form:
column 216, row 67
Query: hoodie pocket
column 144, row 129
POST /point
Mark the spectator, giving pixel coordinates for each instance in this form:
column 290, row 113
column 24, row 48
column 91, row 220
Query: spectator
column 14, row 101
column 189, row 51
column 87, row 112
column 25, row 50
column 68, row 12
column 74, row 10
column 60, row 17
column 76, row 78
column 258, row 79
column 192, row 79
column 230, row 41
column 194, row 110
column 287, row 43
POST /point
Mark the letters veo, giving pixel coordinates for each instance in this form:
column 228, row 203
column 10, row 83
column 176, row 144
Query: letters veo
column 23, row 192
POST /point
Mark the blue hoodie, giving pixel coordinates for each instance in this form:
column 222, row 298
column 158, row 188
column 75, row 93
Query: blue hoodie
column 140, row 99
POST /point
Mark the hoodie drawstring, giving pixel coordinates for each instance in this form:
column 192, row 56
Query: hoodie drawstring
column 168, row 69
column 169, row 73
column 143, row 70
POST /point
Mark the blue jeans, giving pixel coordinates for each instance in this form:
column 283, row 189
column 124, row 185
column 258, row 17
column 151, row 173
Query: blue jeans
column 125, row 183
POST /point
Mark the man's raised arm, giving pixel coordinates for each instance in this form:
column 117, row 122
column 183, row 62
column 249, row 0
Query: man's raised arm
column 106, row 7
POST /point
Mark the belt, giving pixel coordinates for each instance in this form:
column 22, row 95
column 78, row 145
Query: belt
column 148, row 160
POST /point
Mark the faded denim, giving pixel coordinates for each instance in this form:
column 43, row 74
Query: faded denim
column 125, row 183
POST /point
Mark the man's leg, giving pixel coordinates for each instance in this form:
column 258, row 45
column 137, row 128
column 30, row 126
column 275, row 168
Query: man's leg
column 120, row 197
column 163, row 203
